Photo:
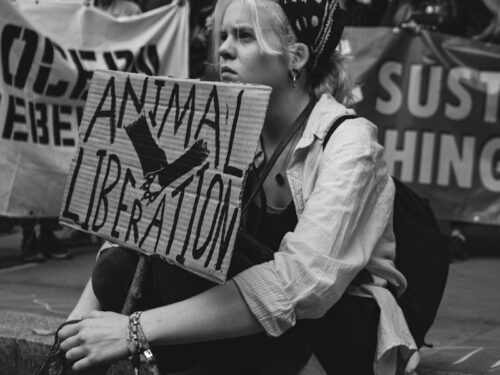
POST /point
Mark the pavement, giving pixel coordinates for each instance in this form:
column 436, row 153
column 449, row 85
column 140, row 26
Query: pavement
column 35, row 298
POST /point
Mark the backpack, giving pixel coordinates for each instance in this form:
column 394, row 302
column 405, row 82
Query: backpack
column 422, row 255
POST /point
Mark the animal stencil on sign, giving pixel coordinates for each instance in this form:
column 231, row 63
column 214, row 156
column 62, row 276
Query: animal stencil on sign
column 154, row 161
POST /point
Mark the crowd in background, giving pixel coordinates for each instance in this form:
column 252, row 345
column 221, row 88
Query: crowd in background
column 466, row 18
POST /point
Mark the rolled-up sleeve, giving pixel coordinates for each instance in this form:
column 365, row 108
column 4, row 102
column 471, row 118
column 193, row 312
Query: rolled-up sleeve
column 335, row 236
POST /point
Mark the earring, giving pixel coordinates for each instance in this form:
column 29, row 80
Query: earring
column 294, row 75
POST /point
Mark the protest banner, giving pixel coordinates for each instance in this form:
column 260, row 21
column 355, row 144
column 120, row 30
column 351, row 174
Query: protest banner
column 49, row 50
column 161, row 163
column 435, row 100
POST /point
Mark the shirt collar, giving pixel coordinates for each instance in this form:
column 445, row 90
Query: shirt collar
column 326, row 110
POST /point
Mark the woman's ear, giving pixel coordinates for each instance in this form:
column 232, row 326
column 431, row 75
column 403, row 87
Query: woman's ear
column 299, row 56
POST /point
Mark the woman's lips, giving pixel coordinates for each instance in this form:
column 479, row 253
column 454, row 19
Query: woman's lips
column 226, row 69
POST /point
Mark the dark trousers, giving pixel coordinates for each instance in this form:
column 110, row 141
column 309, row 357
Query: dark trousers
column 47, row 225
column 344, row 340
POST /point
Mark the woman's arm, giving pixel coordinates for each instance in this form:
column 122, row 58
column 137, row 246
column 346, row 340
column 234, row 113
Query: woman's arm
column 217, row 313
column 88, row 302
column 347, row 209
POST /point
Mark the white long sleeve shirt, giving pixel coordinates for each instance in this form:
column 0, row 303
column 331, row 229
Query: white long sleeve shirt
column 344, row 198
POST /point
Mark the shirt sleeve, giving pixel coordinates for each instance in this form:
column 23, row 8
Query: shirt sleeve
column 342, row 222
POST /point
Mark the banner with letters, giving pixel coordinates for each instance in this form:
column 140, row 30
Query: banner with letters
column 49, row 50
column 435, row 99
column 161, row 163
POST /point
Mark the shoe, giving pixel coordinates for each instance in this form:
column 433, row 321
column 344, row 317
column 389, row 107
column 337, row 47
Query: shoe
column 30, row 249
column 52, row 247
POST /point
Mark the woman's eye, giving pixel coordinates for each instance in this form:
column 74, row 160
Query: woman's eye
column 223, row 36
column 245, row 36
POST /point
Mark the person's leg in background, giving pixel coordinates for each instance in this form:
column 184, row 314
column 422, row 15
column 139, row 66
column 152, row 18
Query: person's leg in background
column 458, row 244
column 50, row 245
column 30, row 246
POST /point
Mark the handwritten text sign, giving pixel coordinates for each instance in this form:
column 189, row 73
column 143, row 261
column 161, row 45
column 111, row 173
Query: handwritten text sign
column 161, row 163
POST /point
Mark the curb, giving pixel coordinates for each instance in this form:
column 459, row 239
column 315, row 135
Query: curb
column 22, row 357
column 21, row 349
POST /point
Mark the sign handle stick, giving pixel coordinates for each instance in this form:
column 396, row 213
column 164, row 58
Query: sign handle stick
column 135, row 291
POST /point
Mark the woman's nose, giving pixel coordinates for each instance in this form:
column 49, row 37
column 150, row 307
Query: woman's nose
column 226, row 49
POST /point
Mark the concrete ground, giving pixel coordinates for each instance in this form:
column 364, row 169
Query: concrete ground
column 35, row 298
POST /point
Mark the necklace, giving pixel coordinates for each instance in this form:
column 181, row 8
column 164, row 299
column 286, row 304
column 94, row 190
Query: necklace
column 282, row 162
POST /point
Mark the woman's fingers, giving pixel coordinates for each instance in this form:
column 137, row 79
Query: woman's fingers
column 77, row 353
column 83, row 364
column 68, row 331
column 412, row 364
column 86, row 357
column 71, row 342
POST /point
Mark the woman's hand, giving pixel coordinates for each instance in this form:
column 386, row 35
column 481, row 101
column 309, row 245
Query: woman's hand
column 98, row 339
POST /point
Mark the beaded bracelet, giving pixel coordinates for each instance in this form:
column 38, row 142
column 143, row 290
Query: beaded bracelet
column 138, row 338
column 133, row 347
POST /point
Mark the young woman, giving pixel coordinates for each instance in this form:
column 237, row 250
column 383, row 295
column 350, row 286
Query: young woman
column 318, row 301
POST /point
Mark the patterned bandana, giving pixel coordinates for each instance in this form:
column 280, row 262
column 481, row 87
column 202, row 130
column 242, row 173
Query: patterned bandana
column 318, row 24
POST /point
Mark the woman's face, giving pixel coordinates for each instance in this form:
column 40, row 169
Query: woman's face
column 240, row 57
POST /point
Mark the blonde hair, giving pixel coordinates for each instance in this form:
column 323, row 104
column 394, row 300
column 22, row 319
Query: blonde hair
column 332, row 79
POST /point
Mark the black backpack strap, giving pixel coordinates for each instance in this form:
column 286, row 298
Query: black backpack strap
column 335, row 125
column 298, row 124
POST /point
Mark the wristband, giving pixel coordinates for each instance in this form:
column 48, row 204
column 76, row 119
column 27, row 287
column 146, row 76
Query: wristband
column 131, row 344
column 139, row 341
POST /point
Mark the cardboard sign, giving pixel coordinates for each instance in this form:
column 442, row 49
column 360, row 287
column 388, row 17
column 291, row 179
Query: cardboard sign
column 161, row 164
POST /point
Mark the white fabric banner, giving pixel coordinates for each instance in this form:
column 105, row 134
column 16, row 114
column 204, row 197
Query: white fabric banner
column 49, row 50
